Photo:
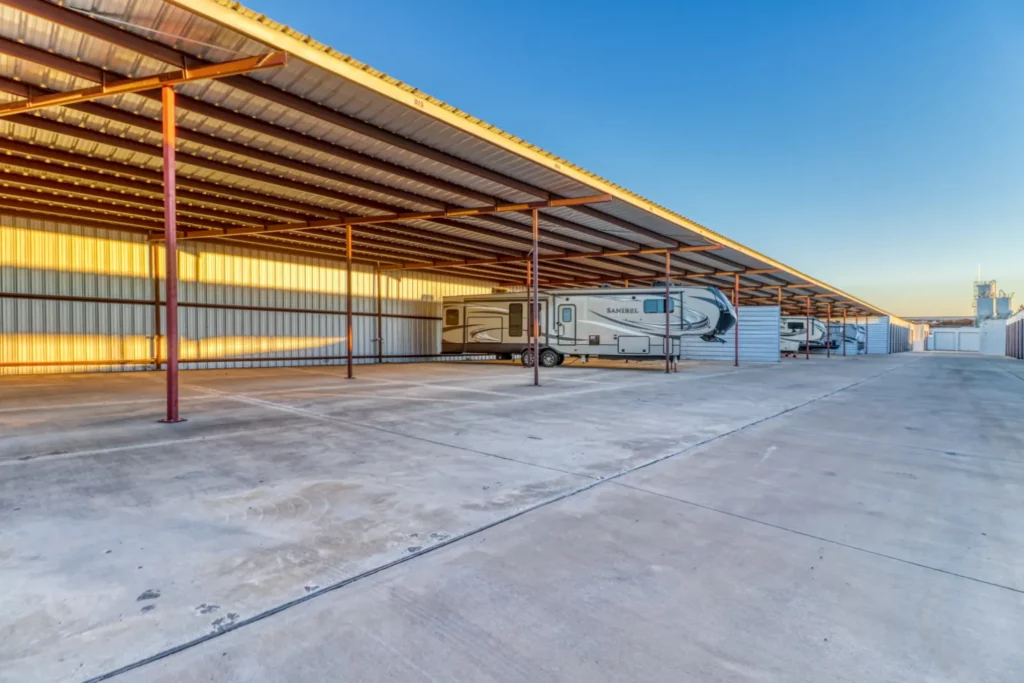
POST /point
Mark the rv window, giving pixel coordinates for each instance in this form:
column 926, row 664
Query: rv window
column 515, row 320
column 658, row 305
column 566, row 315
column 795, row 326
column 451, row 317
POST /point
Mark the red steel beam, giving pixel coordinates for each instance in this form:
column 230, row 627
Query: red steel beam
column 736, row 326
column 76, row 205
column 668, row 313
column 160, row 52
column 171, row 255
column 536, row 300
column 132, row 192
column 200, row 162
column 558, row 257
column 94, row 192
column 258, row 126
column 348, row 298
column 392, row 218
column 60, row 161
column 265, row 157
column 594, row 281
column 93, row 73
column 130, row 85
column 168, row 55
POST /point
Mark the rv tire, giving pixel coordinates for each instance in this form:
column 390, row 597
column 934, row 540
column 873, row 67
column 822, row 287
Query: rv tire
column 549, row 358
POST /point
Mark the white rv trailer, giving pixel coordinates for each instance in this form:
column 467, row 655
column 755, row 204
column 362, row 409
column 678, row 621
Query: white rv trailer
column 794, row 335
column 854, row 334
column 608, row 323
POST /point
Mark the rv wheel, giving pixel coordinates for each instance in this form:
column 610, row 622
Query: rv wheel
column 527, row 358
column 548, row 358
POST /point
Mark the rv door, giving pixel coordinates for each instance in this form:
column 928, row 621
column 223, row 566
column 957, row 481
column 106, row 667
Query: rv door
column 565, row 327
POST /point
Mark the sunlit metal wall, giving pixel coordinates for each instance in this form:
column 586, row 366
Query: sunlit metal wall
column 106, row 315
column 759, row 339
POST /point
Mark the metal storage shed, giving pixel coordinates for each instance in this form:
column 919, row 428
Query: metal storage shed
column 313, row 155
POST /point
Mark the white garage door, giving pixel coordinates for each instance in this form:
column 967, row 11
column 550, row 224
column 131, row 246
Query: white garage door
column 970, row 341
column 943, row 341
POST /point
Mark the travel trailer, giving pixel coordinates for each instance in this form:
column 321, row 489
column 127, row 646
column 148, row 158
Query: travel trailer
column 625, row 324
column 794, row 334
column 854, row 334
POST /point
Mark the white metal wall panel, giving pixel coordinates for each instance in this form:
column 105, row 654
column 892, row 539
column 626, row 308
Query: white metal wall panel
column 878, row 336
column 759, row 339
column 969, row 341
column 944, row 340
column 46, row 258
column 990, row 339
column 993, row 338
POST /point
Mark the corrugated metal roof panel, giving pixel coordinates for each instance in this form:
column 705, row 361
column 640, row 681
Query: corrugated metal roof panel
column 218, row 30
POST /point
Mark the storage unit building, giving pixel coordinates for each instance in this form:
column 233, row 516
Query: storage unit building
column 1015, row 335
column 990, row 338
column 888, row 334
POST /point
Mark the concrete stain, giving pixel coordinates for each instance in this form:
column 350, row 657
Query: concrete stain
column 148, row 594
column 224, row 622
column 206, row 608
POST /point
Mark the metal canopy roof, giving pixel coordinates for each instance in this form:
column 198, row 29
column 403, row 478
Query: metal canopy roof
column 324, row 137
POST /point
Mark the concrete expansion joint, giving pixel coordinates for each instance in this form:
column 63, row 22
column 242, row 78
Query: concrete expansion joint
column 595, row 482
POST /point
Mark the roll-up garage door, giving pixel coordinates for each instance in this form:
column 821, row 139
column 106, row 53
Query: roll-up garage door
column 943, row 341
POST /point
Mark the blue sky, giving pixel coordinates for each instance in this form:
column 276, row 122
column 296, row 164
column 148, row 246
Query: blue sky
column 878, row 145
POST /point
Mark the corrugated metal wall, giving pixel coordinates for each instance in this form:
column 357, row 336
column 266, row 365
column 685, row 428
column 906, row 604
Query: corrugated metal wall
column 888, row 335
column 230, row 299
column 878, row 336
column 1015, row 336
column 759, row 339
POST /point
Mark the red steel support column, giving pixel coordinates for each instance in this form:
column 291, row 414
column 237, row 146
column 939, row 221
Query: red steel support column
column 844, row 331
column 348, row 297
column 779, row 301
column 828, row 332
column 736, row 329
column 380, row 323
column 536, row 299
column 668, row 302
column 807, row 331
column 529, row 307
column 171, row 253
column 856, row 321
